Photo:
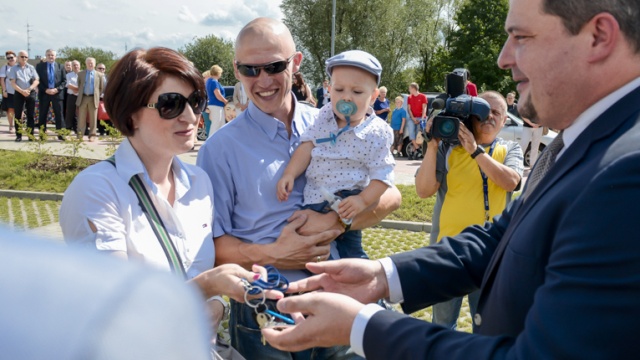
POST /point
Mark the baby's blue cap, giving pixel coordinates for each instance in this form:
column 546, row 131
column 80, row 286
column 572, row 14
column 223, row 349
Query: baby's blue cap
column 357, row 58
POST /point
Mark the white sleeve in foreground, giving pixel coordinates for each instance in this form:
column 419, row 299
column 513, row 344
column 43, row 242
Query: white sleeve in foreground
column 359, row 325
column 393, row 279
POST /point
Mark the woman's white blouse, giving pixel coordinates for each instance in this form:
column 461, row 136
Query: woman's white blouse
column 101, row 194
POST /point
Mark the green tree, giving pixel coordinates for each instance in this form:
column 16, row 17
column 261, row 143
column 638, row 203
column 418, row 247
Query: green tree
column 477, row 42
column 211, row 50
column 432, row 37
column 376, row 26
column 81, row 54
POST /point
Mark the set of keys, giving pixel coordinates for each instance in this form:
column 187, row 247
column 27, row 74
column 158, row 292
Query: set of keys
column 271, row 319
column 265, row 317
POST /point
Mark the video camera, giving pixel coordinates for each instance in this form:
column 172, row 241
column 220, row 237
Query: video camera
column 458, row 107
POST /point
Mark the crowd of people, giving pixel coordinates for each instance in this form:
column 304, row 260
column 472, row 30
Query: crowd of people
column 64, row 90
column 549, row 274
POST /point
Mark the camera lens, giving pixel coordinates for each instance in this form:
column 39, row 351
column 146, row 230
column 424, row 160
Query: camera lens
column 447, row 128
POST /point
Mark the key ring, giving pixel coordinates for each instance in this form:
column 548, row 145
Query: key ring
column 258, row 290
column 274, row 281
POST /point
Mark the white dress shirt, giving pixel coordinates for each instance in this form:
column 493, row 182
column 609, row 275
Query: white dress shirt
column 72, row 79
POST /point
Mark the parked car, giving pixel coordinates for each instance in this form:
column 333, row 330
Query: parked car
column 512, row 130
column 228, row 94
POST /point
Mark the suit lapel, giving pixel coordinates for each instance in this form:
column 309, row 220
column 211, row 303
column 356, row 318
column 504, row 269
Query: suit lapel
column 602, row 127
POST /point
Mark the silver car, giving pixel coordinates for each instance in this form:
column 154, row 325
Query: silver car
column 512, row 130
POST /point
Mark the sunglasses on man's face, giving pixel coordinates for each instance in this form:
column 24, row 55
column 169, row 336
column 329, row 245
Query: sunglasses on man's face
column 10, row 58
column 275, row 67
column 171, row 105
column 23, row 57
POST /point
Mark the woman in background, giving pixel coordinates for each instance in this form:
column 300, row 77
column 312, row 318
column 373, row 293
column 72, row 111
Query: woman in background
column 301, row 90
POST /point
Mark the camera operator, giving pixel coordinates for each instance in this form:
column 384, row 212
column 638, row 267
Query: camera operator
column 473, row 181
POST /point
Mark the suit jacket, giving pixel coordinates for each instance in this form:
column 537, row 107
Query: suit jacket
column 320, row 97
column 559, row 272
column 60, row 79
column 98, row 86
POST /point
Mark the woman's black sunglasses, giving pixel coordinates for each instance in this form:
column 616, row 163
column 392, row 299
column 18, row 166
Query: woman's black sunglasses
column 275, row 67
column 171, row 105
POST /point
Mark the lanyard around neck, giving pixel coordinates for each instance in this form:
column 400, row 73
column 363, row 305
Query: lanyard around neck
column 485, row 183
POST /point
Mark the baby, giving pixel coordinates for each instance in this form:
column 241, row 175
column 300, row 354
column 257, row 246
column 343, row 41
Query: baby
column 346, row 150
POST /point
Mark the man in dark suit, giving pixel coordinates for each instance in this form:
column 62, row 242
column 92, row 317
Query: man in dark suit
column 322, row 94
column 559, row 270
column 90, row 87
column 51, row 90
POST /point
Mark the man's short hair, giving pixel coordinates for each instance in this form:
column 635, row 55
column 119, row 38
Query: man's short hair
column 50, row 51
column 137, row 75
column 415, row 86
column 576, row 13
column 399, row 98
column 10, row 52
column 90, row 59
column 496, row 95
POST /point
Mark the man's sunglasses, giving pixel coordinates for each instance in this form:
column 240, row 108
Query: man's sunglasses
column 275, row 67
column 23, row 57
column 171, row 105
column 10, row 57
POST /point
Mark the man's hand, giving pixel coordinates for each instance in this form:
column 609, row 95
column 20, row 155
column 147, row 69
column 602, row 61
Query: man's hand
column 292, row 250
column 318, row 223
column 363, row 280
column 284, row 187
column 433, row 142
column 351, row 206
column 227, row 279
column 466, row 139
column 328, row 322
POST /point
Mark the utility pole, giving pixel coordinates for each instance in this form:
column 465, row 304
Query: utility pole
column 28, row 37
column 333, row 28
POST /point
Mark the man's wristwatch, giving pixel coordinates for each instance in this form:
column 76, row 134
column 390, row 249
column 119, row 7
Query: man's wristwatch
column 479, row 150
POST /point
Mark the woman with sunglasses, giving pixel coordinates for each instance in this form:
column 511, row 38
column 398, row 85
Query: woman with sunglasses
column 144, row 204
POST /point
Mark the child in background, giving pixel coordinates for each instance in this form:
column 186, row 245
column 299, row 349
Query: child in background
column 398, row 119
column 347, row 155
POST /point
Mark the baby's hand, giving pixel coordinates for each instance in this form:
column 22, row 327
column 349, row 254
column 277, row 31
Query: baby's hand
column 351, row 206
column 284, row 187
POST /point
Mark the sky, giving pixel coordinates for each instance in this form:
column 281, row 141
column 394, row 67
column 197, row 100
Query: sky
column 115, row 24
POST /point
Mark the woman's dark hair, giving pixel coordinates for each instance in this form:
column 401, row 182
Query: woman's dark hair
column 137, row 75
column 300, row 83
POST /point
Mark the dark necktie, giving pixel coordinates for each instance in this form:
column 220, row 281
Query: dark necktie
column 51, row 82
column 546, row 161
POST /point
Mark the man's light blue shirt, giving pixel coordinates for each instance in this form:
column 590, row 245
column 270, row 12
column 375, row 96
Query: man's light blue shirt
column 245, row 159
column 88, row 84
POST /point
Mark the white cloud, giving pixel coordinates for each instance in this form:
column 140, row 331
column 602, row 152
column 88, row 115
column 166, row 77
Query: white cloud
column 110, row 24
column 185, row 15
column 88, row 5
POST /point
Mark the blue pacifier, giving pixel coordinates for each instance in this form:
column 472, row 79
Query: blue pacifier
column 346, row 108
